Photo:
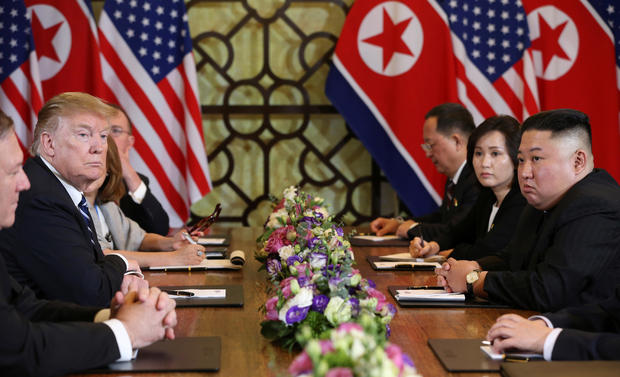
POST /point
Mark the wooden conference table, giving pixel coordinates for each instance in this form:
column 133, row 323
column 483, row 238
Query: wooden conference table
column 246, row 353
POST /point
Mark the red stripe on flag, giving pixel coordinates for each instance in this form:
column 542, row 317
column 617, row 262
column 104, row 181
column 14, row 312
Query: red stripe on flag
column 173, row 196
column 20, row 104
column 472, row 92
column 36, row 98
column 191, row 100
column 509, row 97
column 144, row 102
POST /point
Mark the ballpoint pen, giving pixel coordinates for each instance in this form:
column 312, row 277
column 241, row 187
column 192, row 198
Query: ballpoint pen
column 178, row 293
column 189, row 238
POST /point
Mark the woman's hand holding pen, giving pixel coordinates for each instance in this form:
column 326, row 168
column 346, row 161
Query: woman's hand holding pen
column 420, row 249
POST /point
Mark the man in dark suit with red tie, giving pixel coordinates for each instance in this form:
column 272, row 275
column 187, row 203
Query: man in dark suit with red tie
column 41, row 338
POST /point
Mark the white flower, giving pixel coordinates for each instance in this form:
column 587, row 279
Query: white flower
column 290, row 193
column 323, row 212
column 274, row 219
column 285, row 252
column 302, row 299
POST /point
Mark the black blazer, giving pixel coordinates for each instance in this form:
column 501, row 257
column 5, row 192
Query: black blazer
column 469, row 237
column 567, row 256
column 39, row 340
column 149, row 214
column 590, row 332
column 465, row 195
column 49, row 248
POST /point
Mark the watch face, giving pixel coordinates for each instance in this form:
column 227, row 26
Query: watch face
column 471, row 277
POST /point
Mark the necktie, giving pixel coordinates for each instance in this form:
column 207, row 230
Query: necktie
column 450, row 193
column 84, row 211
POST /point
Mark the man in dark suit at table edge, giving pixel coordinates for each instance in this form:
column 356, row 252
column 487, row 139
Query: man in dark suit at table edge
column 588, row 332
column 566, row 248
column 138, row 203
column 51, row 247
column 446, row 130
column 41, row 338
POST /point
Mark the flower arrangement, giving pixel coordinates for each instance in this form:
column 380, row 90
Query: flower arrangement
column 351, row 350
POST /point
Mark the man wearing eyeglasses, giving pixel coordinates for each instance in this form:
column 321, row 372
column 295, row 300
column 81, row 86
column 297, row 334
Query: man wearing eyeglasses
column 446, row 131
column 139, row 203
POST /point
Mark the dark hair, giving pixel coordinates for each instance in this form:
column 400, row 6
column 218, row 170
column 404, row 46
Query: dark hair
column 561, row 122
column 6, row 124
column 113, row 188
column 452, row 117
column 504, row 124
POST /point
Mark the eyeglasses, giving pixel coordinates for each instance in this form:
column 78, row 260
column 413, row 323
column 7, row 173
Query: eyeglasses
column 427, row 147
column 206, row 222
column 117, row 131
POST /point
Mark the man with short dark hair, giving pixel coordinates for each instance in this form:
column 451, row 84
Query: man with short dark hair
column 51, row 338
column 566, row 248
column 446, row 130
column 53, row 248
column 139, row 203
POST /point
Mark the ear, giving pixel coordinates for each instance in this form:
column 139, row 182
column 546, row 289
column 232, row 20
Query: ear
column 579, row 161
column 132, row 140
column 459, row 141
column 47, row 148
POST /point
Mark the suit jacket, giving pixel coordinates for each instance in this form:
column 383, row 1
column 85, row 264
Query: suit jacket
column 590, row 332
column 567, row 256
column 40, row 339
column 470, row 238
column 149, row 214
column 49, row 247
column 465, row 194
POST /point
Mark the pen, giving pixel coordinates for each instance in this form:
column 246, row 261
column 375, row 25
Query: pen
column 189, row 239
column 517, row 358
column 425, row 287
column 178, row 293
column 421, row 236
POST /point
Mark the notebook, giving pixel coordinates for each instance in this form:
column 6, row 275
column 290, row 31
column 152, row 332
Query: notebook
column 469, row 302
column 377, row 264
column 236, row 262
column 463, row 355
column 214, row 240
column 562, row 368
column 233, row 295
column 372, row 240
column 428, row 295
column 198, row 354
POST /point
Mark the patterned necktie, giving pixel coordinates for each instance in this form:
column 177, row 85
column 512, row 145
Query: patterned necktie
column 450, row 193
column 84, row 211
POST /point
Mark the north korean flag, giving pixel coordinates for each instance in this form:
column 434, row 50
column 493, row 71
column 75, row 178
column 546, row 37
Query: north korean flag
column 393, row 63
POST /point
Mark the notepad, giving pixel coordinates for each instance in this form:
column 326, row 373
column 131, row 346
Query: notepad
column 406, row 257
column 388, row 265
column 378, row 238
column 212, row 241
column 428, row 295
column 203, row 293
column 236, row 262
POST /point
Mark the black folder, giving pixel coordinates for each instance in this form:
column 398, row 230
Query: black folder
column 199, row 354
column 356, row 241
column 463, row 355
column 405, row 266
column 562, row 368
column 470, row 302
column 234, row 296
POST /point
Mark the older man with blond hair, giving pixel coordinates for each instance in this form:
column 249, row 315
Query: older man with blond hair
column 53, row 246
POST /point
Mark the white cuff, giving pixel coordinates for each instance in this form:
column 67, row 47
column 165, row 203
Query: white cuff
column 139, row 194
column 413, row 226
column 547, row 321
column 123, row 258
column 122, row 339
column 550, row 343
column 102, row 315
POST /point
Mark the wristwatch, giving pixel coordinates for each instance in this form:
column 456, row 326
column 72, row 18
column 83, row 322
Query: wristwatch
column 471, row 278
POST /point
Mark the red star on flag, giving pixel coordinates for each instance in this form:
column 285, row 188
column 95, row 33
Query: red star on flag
column 44, row 38
column 390, row 40
column 548, row 42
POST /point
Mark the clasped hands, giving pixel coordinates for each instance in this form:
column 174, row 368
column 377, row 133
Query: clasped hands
column 147, row 314
column 451, row 275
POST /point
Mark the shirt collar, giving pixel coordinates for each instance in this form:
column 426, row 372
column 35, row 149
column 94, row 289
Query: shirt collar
column 75, row 194
column 455, row 179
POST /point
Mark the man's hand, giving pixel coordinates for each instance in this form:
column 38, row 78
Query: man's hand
column 133, row 265
column 452, row 274
column 402, row 229
column 382, row 226
column 418, row 251
column 130, row 176
column 513, row 331
column 147, row 321
column 133, row 283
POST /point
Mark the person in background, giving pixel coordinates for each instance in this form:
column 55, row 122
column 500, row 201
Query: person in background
column 446, row 130
column 117, row 233
column 566, row 248
column 138, row 203
column 52, row 246
column 41, row 338
column 492, row 151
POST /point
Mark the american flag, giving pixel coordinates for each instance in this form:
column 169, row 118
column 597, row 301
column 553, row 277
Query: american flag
column 20, row 87
column 147, row 63
column 495, row 74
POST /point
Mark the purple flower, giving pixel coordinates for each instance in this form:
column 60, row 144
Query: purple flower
column 318, row 260
column 355, row 306
column 310, row 220
column 319, row 303
column 312, row 242
column 391, row 309
column 339, row 231
column 303, row 281
column 388, row 330
column 407, row 360
column 334, row 282
column 296, row 314
column 371, row 283
column 273, row 267
column 292, row 259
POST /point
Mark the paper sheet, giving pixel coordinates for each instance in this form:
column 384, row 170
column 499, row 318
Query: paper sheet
column 428, row 295
column 203, row 293
column 378, row 238
column 390, row 265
